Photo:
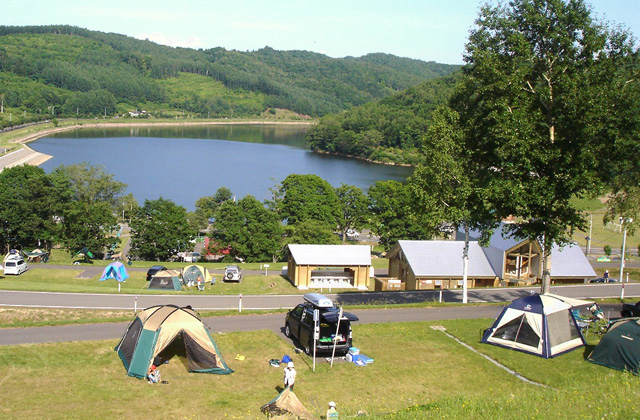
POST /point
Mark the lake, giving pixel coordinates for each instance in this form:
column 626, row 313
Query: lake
column 184, row 163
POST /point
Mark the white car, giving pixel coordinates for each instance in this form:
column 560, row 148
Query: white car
column 15, row 266
column 232, row 273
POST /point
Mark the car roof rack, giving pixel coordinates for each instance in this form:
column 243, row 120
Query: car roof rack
column 318, row 300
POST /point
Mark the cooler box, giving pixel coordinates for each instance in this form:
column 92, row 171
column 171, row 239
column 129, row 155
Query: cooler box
column 352, row 357
column 354, row 350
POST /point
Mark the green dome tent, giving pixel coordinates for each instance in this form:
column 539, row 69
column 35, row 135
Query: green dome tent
column 155, row 328
column 619, row 348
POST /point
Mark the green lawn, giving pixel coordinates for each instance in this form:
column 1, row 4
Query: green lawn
column 418, row 373
column 41, row 278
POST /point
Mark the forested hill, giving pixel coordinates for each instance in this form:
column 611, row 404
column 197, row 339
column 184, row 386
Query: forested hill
column 390, row 130
column 67, row 71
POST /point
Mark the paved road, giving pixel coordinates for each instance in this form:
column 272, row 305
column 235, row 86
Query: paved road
column 226, row 302
column 275, row 322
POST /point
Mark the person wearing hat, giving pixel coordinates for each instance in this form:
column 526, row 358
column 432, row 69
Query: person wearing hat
column 289, row 376
column 154, row 375
column 332, row 413
column 606, row 276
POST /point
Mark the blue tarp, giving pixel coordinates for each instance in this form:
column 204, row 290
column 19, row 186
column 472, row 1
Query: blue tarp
column 115, row 271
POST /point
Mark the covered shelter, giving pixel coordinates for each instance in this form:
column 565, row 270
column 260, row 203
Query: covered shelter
column 619, row 348
column 543, row 325
column 166, row 279
column 156, row 328
column 518, row 261
column 329, row 266
column 116, row 271
column 424, row 265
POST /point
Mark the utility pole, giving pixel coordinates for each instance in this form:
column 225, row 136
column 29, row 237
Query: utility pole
column 589, row 237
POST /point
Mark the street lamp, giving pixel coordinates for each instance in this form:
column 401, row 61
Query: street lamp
column 623, row 222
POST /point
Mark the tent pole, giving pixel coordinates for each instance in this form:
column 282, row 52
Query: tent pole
column 335, row 339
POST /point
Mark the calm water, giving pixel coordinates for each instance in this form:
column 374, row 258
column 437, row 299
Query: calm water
column 186, row 163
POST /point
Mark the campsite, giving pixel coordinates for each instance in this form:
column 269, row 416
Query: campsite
column 442, row 382
column 426, row 374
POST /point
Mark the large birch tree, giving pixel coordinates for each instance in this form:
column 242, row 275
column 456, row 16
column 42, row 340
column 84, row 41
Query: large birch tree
column 544, row 90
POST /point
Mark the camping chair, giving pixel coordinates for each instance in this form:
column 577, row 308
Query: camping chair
column 200, row 285
column 582, row 321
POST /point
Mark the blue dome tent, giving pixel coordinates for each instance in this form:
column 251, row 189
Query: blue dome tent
column 115, row 271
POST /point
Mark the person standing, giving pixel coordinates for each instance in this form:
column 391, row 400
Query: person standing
column 332, row 413
column 289, row 376
column 606, row 276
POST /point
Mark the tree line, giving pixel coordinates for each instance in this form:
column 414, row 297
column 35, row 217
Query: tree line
column 81, row 72
column 80, row 206
column 390, row 130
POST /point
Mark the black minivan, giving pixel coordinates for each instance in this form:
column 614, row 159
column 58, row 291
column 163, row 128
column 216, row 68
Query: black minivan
column 299, row 324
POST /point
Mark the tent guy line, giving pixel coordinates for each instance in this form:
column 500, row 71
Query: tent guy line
column 495, row 362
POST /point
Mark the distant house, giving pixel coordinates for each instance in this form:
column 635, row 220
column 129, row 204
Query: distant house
column 505, row 261
column 329, row 266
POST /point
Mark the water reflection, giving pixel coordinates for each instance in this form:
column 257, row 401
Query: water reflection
column 184, row 163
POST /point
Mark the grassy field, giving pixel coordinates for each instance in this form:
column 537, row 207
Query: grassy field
column 418, row 373
column 40, row 278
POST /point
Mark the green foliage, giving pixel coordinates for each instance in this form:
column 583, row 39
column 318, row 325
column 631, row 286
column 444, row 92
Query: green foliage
column 91, row 184
column 392, row 213
column 248, row 229
column 607, row 250
column 527, row 103
column 390, row 130
column 76, row 72
column 159, row 230
column 354, row 210
column 308, row 197
column 310, row 232
column 87, row 225
column 40, row 210
column 126, row 206
column 29, row 201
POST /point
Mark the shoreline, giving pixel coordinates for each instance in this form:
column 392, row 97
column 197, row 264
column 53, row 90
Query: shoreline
column 42, row 133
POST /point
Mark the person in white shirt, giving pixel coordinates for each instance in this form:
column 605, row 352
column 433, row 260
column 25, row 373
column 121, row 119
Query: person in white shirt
column 289, row 376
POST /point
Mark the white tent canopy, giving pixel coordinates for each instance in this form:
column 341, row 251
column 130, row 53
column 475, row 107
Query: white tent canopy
column 538, row 324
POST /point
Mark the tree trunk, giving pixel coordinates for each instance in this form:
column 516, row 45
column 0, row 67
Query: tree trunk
column 465, row 263
column 546, row 265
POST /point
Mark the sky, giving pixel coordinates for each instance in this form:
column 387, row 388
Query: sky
column 429, row 30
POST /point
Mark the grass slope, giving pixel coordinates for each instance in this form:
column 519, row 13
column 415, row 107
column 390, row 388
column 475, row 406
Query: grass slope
column 418, row 373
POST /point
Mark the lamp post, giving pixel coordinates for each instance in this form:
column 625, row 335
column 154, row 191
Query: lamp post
column 624, row 240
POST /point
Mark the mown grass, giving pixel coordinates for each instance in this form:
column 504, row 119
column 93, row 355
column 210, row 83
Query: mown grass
column 418, row 373
column 40, row 278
